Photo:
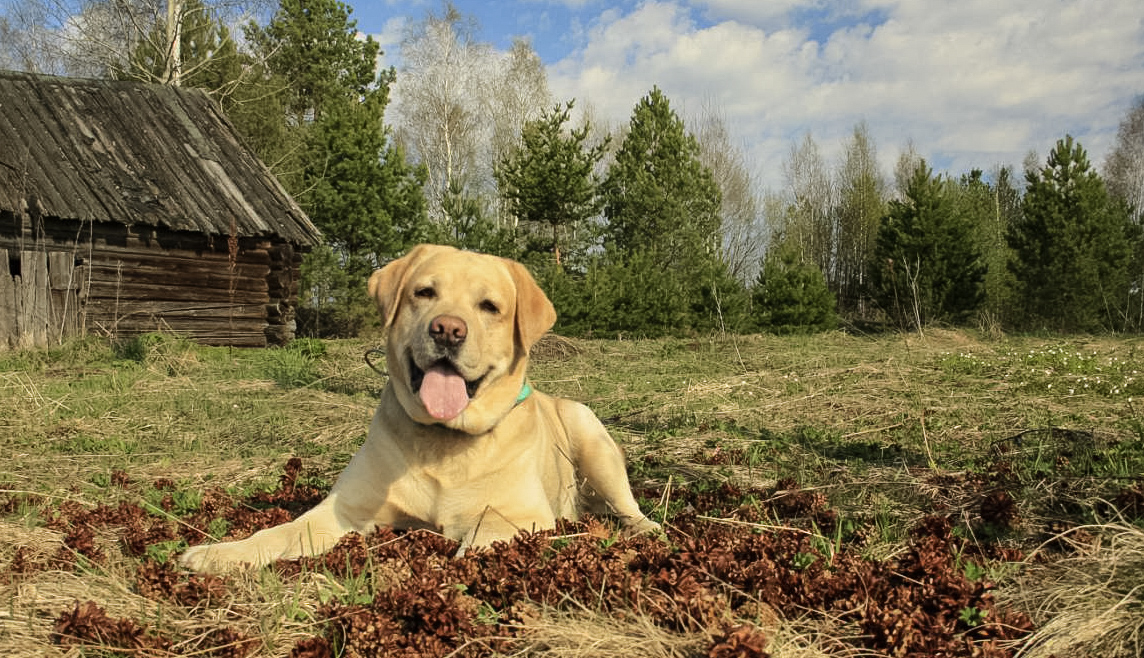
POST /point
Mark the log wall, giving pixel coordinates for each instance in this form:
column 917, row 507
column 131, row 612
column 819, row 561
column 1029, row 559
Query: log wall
column 59, row 280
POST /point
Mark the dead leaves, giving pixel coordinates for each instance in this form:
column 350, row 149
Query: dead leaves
column 412, row 598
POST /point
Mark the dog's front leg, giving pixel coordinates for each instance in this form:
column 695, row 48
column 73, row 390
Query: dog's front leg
column 600, row 463
column 356, row 503
column 312, row 533
column 495, row 524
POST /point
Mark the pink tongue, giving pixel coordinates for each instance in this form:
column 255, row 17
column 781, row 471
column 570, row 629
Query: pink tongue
column 443, row 393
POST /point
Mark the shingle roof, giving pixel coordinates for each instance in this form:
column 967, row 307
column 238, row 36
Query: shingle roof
column 134, row 153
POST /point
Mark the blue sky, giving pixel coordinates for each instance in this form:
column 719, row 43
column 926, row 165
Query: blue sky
column 974, row 83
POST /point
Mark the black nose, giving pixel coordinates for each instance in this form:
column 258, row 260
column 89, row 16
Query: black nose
column 448, row 330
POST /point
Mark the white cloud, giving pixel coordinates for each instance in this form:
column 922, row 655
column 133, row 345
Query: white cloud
column 390, row 38
column 974, row 83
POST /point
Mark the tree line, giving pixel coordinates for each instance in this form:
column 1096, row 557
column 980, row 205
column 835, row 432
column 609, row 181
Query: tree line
column 648, row 228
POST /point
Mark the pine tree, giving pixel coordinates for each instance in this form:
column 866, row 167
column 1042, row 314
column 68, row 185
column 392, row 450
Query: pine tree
column 367, row 202
column 658, row 197
column 550, row 184
column 991, row 208
column 466, row 225
column 791, row 295
column 350, row 178
column 314, row 45
column 336, row 152
column 1072, row 246
column 927, row 261
column 662, row 211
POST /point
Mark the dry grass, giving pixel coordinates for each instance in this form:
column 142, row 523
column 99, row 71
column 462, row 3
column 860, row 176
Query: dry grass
column 578, row 632
column 258, row 606
column 581, row 633
column 1090, row 603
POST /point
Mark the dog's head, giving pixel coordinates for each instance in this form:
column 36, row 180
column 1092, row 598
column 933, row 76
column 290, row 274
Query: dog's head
column 459, row 328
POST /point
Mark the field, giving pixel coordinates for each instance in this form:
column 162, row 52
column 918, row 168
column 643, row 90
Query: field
column 833, row 495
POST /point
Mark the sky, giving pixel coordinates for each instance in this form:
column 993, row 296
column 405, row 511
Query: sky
column 971, row 84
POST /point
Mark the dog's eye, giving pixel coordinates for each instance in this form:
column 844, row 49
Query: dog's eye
column 490, row 307
column 425, row 293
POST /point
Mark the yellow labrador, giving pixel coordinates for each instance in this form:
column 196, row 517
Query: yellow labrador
column 459, row 443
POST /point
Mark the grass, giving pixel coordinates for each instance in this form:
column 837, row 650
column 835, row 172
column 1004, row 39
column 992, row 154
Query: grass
column 172, row 410
column 1092, row 601
column 886, row 427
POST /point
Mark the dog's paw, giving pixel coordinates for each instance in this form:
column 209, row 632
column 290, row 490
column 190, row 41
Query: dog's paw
column 212, row 558
column 639, row 526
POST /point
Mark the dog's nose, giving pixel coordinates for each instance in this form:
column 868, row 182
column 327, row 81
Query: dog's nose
column 448, row 330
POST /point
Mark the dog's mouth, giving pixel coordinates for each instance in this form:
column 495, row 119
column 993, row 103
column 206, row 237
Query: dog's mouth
column 442, row 389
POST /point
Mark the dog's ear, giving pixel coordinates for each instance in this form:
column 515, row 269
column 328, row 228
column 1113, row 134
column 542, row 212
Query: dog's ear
column 385, row 285
column 535, row 315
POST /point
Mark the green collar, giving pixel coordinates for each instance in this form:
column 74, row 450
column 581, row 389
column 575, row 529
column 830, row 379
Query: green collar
column 525, row 391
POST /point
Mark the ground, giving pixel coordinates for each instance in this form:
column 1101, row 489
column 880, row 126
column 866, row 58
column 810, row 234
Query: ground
column 936, row 494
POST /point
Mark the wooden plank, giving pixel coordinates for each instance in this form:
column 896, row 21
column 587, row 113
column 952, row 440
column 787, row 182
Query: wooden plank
column 34, row 314
column 65, row 314
column 61, row 270
column 9, row 329
column 278, row 334
column 210, row 337
column 78, row 134
column 138, row 285
column 144, row 322
column 192, row 309
column 137, row 291
column 184, row 261
column 63, row 281
column 94, row 246
column 280, row 282
column 33, row 150
column 158, row 279
column 194, row 325
column 197, row 267
column 143, row 251
column 110, row 317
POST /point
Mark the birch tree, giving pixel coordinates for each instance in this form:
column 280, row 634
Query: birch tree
column 1124, row 167
column 861, row 204
column 809, row 219
column 190, row 47
column 99, row 38
column 520, row 95
column 440, row 97
column 740, row 213
column 907, row 165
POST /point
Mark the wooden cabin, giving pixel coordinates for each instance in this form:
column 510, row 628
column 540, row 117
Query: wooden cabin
column 127, row 208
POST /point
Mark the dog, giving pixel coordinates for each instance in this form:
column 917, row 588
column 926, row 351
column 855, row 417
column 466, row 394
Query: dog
column 460, row 443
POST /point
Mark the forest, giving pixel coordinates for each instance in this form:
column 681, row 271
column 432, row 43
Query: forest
column 657, row 227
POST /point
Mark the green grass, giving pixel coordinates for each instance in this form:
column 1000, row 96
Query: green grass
column 856, row 415
column 160, row 407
